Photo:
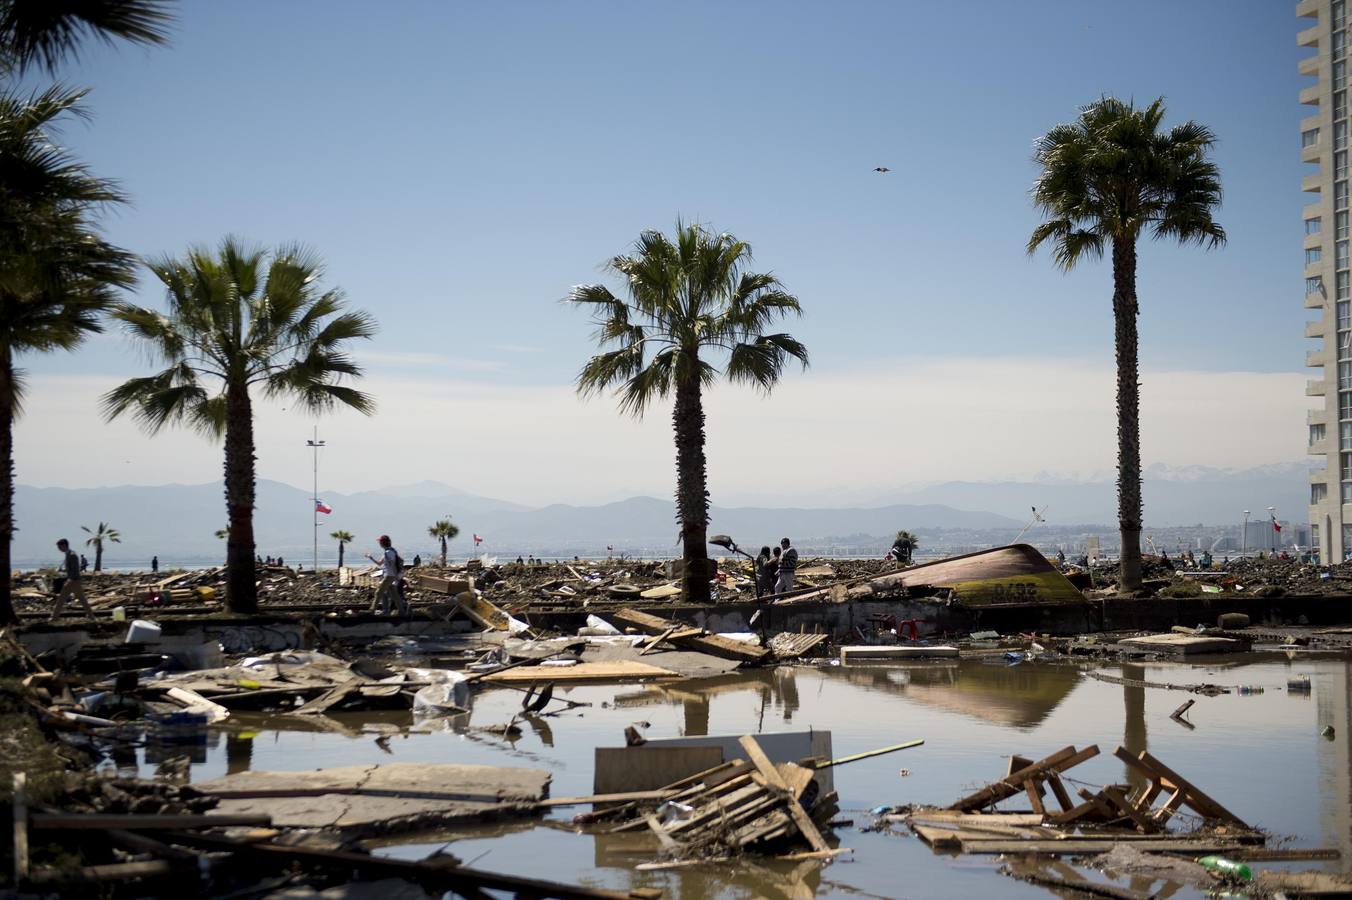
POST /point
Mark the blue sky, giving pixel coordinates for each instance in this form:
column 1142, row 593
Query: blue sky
column 460, row 165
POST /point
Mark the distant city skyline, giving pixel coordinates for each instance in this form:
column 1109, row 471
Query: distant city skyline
column 460, row 167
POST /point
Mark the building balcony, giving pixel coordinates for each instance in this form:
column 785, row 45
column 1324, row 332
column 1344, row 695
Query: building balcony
column 1317, row 358
column 1310, row 96
column 1318, row 448
column 1309, row 66
column 1309, row 37
column 1312, row 182
column 1314, row 269
column 1316, row 387
column 1313, row 240
column 1314, row 329
column 1314, row 300
column 1308, row 9
column 1311, row 154
column 1314, row 211
column 1316, row 415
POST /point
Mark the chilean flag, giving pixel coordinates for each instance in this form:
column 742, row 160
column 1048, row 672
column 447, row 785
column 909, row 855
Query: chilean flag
column 478, row 540
column 322, row 507
column 1276, row 526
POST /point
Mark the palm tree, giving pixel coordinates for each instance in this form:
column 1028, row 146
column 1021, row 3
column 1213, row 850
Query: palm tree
column 444, row 530
column 104, row 532
column 239, row 324
column 343, row 538
column 905, row 546
column 1106, row 179
column 690, row 299
column 56, row 274
column 47, row 31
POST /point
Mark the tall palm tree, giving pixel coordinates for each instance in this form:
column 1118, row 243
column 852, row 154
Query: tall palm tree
column 905, row 546
column 343, row 538
column 1106, row 179
column 47, row 31
column 239, row 324
column 97, row 536
column 56, row 274
column 690, row 300
column 443, row 530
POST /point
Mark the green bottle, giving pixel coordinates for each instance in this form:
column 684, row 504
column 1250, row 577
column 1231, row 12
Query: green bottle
column 1227, row 867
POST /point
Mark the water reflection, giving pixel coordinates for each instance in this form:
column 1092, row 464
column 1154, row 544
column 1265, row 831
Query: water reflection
column 1134, row 736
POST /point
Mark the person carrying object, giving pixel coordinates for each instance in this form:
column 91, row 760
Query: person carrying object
column 72, row 585
column 391, row 568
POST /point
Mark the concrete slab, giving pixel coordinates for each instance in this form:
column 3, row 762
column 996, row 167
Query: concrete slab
column 381, row 798
column 901, row 651
column 1185, row 644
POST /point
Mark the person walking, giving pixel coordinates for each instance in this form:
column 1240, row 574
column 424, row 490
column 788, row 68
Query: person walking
column 788, row 565
column 154, row 565
column 72, row 585
column 765, row 572
column 391, row 567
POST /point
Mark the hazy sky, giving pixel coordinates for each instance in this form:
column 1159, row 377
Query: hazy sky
column 460, row 166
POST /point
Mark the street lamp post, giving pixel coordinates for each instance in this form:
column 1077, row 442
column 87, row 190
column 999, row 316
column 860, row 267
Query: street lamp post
column 1272, row 526
column 1244, row 537
column 315, row 444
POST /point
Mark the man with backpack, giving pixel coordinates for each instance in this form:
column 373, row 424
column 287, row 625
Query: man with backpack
column 71, row 585
column 391, row 570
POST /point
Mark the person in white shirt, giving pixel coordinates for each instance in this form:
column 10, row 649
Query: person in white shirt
column 391, row 568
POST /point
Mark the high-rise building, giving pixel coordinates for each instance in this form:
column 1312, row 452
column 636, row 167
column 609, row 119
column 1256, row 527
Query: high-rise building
column 1328, row 280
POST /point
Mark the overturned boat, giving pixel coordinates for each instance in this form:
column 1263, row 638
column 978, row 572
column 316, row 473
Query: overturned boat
column 1017, row 575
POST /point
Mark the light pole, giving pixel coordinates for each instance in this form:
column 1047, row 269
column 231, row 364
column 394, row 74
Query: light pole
column 315, row 444
column 1272, row 526
column 1244, row 538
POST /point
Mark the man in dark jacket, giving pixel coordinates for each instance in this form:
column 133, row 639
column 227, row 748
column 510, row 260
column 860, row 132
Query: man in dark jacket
column 73, row 586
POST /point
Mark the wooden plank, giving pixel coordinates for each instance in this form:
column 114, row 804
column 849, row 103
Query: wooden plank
column 667, row 841
column 1034, row 790
column 620, row 769
column 652, row 643
column 132, row 822
column 1007, row 787
column 1117, row 799
column 332, row 697
column 20, row 804
column 800, row 817
column 1060, row 792
column 1193, row 796
column 109, row 872
column 713, row 644
column 939, row 838
column 623, row 797
column 933, row 814
column 616, row 670
column 1070, row 846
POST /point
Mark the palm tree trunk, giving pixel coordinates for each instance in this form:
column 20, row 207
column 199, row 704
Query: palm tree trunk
column 340, row 554
column 692, row 494
column 1128, row 412
column 443, row 552
column 241, row 589
column 98, row 556
column 7, row 615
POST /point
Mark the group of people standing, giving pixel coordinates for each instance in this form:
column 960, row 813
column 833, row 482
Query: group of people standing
column 775, row 569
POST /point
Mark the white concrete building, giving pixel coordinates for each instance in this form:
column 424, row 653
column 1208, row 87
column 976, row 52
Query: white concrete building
column 1328, row 278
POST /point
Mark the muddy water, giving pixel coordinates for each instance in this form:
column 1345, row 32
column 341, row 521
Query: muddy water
column 1261, row 754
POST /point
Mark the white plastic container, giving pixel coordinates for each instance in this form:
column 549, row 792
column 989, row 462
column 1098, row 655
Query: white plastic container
column 143, row 631
column 119, row 614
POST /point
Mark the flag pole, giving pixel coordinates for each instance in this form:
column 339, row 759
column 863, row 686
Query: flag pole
column 315, row 444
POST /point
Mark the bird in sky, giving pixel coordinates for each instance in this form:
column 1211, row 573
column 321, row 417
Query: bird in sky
column 882, row 169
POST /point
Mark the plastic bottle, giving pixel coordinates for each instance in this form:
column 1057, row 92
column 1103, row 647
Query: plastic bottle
column 1226, row 867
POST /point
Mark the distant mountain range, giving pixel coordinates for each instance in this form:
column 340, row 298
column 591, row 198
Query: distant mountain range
column 177, row 522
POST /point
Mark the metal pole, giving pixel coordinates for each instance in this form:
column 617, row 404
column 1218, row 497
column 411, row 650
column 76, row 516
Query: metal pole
column 315, row 444
column 1245, row 536
column 1272, row 526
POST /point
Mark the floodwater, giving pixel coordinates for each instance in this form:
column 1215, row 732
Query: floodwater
column 1260, row 754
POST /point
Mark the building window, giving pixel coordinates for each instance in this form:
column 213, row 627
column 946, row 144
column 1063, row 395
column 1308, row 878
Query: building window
column 1339, row 44
column 1317, row 432
column 1346, row 469
column 1347, row 498
column 1340, row 195
column 1309, row 138
column 1345, row 376
column 1339, row 13
column 1313, row 255
column 1340, row 255
column 1340, row 164
column 1345, row 405
column 1314, row 541
column 1340, row 284
column 1339, row 135
column 1314, row 285
column 1340, row 229
column 1314, row 226
column 1344, row 316
column 1345, row 436
column 1340, row 104
column 1318, row 493
column 1339, row 74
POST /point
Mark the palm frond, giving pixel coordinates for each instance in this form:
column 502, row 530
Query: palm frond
column 45, row 32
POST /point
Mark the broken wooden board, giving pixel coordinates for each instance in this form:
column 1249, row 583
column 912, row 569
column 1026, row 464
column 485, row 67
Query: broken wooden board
column 1074, row 846
column 1013, row 784
column 787, row 645
column 439, row 585
column 380, row 798
column 1185, row 644
column 661, row 592
column 648, row 768
column 617, row 670
column 713, row 644
column 898, row 651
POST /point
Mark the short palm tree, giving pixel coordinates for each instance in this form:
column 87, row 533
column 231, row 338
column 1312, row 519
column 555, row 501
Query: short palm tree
column 239, row 324
column 343, row 538
column 1106, row 179
column 47, row 31
column 443, row 530
column 904, row 546
column 690, row 301
column 97, row 536
column 56, row 274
